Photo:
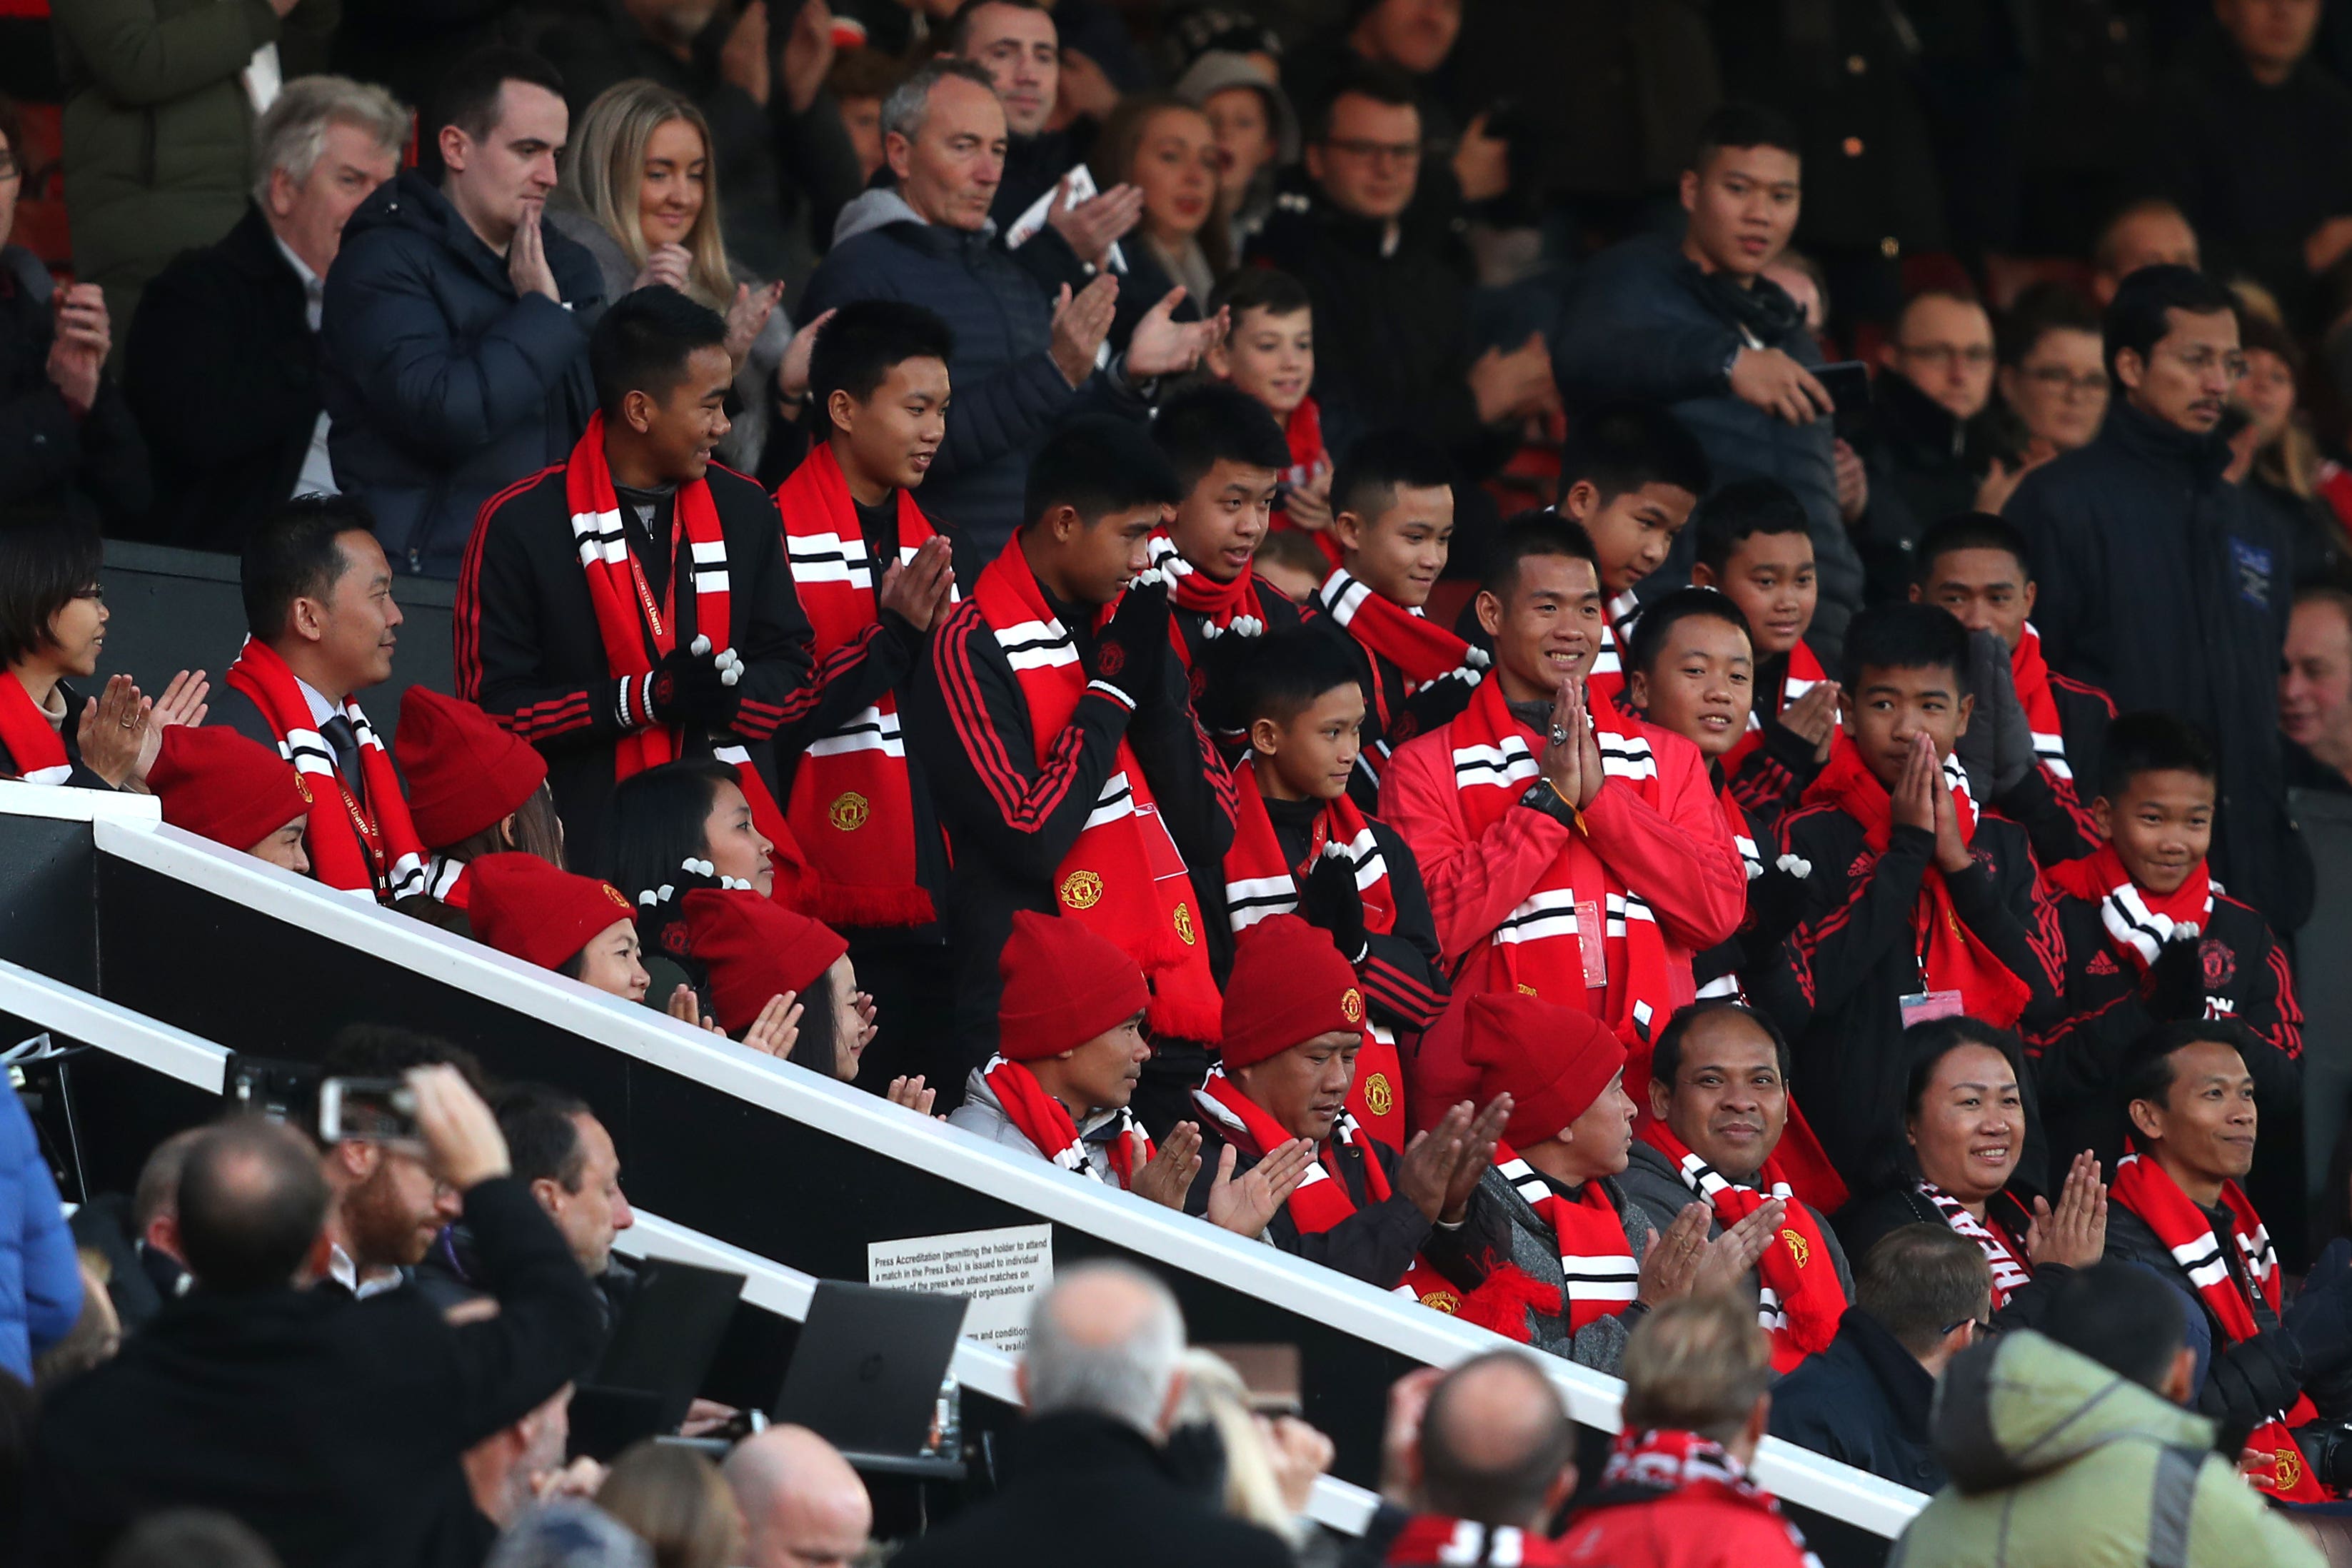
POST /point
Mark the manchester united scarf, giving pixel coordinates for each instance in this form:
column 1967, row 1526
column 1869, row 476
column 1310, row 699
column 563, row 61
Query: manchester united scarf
column 2030, row 675
column 1539, row 948
column 36, row 746
column 1800, row 1298
column 1304, row 433
column 1424, row 652
column 1951, row 956
column 1232, row 609
column 1605, row 683
column 1046, row 1122
column 1599, row 1274
column 851, row 805
column 1803, row 674
column 352, row 850
column 2139, row 922
column 2142, row 1186
column 2005, row 1258
column 637, row 629
column 1123, row 875
column 1439, row 1541
column 1688, row 1464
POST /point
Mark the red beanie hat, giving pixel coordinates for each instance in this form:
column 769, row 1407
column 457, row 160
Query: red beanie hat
column 464, row 773
column 1289, row 985
column 1063, row 985
column 1553, row 1061
column 217, row 782
column 521, row 905
column 755, row 949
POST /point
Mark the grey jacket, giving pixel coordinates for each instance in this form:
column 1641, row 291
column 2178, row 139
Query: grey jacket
column 982, row 1113
column 1659, row 1192
column 1535, row 1252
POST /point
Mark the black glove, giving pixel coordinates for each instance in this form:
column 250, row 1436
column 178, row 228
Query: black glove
column 1999, row 744
column 2176, row 982
column 1327, row 898
column 690, row 685
column 1132, row 646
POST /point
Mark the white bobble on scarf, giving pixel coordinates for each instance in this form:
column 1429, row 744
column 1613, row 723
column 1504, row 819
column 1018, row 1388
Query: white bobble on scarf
column 700, row 868
column 1247, row 625
column 702, row 645
column 1797, row 866
column 1478, row 657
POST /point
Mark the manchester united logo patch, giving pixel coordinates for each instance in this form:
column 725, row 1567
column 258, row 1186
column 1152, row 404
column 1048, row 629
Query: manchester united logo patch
column 1796, row 1245
column 1110, row 660
column 1183, row 922
column 2286, row 1465
column 615, row 894
column 2219, row 964
column 302, row 787
column 1379, row 1098
column 848, row 811
column 1082, row 890
column 1351, row 1005
column 1444, row 1301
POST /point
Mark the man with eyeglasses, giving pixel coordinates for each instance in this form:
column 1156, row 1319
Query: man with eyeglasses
column 2160, row 583
column 387, row 1203
column 1927, row 450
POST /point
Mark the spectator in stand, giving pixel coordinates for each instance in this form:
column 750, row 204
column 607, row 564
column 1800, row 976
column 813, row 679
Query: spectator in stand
column 1256, row 131
column 2150, row 232
column 775, row 137
column 1755, row 546
column 41, row 1297
column 860, row 80
column 1534, row 807
column 221, row 785
column 802, row 1506
column 1069, row 772
column 677, row 1504
column 1268, row 351
column 155, row 1249
column 1102, row 1376
column 1916, row 905
column 583, row 929
column 1629, row 476
column 1700, row 329
column 1964, row 1133
column 1928, row 450
column 159, row 116
column 1163, row 146
column 1405, row 357
column 65, row 429
column 1491, row 1460
column 2052, row 378
column 223, row 365
column 1980, row 568
column 1271, row 1462
column 387, row 1201
column 474, row 790
column 640, row 192
column 2138, row 535
column 53, row 619
column 2315, row 690
column 2179, row 1208
column 681, row 637
column 455, row 327
column 2274, row 458
column 1722, row 1130
column 2084, row 1470
column 1697, row 1373
column 1021, row 359
column 283, row 1367
column 2251, row 141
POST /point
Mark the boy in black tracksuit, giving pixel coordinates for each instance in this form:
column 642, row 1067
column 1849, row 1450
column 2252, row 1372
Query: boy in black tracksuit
column 1904, row 913
column 528, row 646
column 2151, row 940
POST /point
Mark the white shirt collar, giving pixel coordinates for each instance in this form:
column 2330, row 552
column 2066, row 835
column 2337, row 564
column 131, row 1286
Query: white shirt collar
column 311, row 281
column 344, row 1272
column 321, row 709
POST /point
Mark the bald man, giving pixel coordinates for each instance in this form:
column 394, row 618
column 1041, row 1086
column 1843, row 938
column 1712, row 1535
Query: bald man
column 1492, row 1461
column 802, row 1506
column 1101, row 1377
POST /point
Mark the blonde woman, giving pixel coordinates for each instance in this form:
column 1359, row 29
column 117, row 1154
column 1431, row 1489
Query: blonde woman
column 640, row 191
column 1164, row 147
column 1269, row 1464
column 676, row 1502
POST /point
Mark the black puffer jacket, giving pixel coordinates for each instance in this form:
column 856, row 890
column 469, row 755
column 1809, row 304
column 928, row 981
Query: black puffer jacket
column 445, row 386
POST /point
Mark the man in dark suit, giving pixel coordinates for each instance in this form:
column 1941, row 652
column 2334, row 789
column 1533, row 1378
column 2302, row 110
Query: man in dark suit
column 222, row 367
column 1102, row 1376
column 332, row 1427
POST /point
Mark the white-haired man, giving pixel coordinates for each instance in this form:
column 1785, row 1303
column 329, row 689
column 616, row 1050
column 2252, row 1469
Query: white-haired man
column 1101, row 1378
column 221, row 366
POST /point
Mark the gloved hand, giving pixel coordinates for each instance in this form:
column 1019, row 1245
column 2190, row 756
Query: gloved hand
column 1132, row 646
column 1998, row 746
column 2176, row 982
column 695, row 685
column 1327, row 898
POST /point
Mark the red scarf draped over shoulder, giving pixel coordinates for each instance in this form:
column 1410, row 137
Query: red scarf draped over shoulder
column 1046, row 1123
column 2143, row 1186
column 1422, row 651
column 1124, row 877
column 1689, row 1465
column 2004, row 1253
column 1232, row 608
column 1605, row 683
column 36, row 746
column 637, row 631
column 1951, row 956
column 2139, row 922
column 352, row 850
column 1598, row 1273
column 1538, row 948
column 1804, row 673
column 851, row 804
column 1303, row 431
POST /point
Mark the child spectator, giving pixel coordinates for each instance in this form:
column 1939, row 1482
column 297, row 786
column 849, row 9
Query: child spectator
column 1268, row 351
column 1292, row 563
column 473, row 790
column 1755, row 547
column 1630, row 474
column 582, row 928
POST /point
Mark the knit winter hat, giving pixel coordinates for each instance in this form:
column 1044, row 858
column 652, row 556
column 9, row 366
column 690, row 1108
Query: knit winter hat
column 1289, row 985
column 521, row 905
column 1553, row 1061
column 464, row 773
column 1063, row 985
column 232, row 790
column 755, row 950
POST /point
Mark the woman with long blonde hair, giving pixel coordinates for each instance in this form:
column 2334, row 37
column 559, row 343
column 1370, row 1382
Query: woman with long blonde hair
column 640, row 190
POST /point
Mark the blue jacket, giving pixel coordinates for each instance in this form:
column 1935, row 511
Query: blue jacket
column 1863, row 1402
column 1642, row 321
column 443, row 384
column 40, row 1279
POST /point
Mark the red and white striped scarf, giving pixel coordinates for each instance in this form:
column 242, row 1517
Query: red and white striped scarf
column 1537, row 949
column 2007, row 1261
column 36, row 746
column 1802, row 673
column 1123, row 875
column 1424, row 652
column 2030, row 673
column 1688, row 1464
column 2145, row 1188
column 378, row 855
column 1309, row 457
column 1232, row 608
column 1606, row 682
column 1598, row 1273
column 1046, row 1122
column 1800, row 1298
column 851, row 804
column 1261, row 881
column 1440, row 1540
column 2139, row 922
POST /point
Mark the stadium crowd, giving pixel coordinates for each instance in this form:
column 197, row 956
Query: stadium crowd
column 1646, row 670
